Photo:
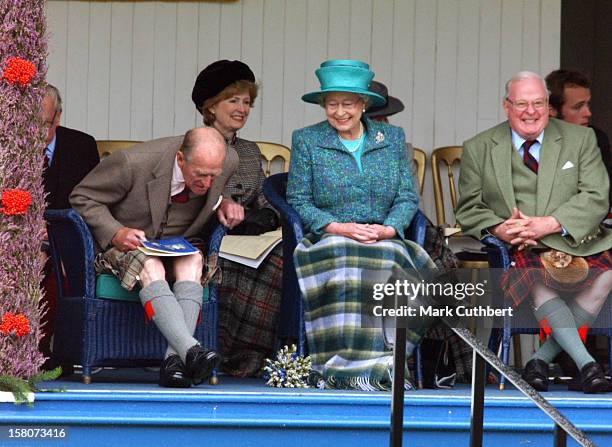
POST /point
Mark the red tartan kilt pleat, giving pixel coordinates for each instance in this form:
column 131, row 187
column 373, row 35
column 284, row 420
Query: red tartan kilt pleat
column 527, row 269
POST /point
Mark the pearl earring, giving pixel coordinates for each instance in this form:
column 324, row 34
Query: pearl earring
column 363, row 111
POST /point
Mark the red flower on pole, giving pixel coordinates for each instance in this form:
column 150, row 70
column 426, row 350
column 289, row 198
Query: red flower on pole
column 14, row 323
column 19, row 71
column 15, row 201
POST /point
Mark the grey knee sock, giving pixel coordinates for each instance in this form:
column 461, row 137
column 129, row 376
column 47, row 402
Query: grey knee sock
column 549, row 350
column 189, row 296
column 168, row 316
column 564, row 330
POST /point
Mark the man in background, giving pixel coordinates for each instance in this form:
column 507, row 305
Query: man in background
column 69, row 156
column 570, row 98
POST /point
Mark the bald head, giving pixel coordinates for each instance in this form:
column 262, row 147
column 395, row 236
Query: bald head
column 201, row 158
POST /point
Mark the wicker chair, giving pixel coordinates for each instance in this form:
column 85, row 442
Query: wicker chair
column 523, row 321
column 108, row 330
column 292, row 307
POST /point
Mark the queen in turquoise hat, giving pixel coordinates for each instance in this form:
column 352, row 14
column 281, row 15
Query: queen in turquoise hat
column 345, row 75
column 351, row 184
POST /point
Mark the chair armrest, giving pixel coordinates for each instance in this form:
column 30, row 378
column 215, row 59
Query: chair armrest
column 72, row 251
column 274, row 188
column 497, row 252
column 214, row 242
column 416, row 230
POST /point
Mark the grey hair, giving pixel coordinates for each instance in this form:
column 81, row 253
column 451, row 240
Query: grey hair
column 366, row 99
column 522, row 76
column 54, row 94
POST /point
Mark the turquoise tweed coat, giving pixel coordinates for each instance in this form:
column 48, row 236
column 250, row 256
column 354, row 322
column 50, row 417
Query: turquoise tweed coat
column 325, row 184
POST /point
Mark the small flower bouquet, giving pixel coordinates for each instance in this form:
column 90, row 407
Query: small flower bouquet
column 289, row 370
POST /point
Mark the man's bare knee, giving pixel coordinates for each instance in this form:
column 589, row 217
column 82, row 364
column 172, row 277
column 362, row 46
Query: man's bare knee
column 152, row 270
column 189, row 268
column 542, row 294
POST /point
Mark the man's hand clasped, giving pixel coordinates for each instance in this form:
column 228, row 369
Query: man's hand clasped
column 523, row 231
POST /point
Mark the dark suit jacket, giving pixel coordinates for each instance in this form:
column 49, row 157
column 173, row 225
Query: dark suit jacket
column 75, row 155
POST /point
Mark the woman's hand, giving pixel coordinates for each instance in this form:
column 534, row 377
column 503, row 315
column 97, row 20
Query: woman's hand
column 383, row 231
column 360, row 232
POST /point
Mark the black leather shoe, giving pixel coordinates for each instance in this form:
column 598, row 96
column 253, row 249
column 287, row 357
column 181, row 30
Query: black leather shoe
column 593, row 379
column 172, row 373
column 536, row 374
column 200, row 363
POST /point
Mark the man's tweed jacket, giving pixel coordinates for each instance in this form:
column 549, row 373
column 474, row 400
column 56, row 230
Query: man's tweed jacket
column 572, row 186
column 131, row 188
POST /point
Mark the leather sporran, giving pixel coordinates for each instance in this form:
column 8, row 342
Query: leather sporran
column 564, row 268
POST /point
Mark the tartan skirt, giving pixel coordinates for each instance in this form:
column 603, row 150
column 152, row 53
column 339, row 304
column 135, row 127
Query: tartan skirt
column 344, row 354
column 527, row 269
column 249, row 303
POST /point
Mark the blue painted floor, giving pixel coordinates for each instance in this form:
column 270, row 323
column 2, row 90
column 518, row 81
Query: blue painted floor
column 127, row 407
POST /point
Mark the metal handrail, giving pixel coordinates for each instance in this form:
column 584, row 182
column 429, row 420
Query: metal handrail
column 482, row 354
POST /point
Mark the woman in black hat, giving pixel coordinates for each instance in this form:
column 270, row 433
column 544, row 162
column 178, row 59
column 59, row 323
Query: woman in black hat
column 249, row 299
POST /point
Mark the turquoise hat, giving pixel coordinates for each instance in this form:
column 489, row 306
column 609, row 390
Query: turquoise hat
column 345, row 75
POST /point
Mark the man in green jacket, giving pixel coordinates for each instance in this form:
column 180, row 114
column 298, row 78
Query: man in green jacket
column 540, row 184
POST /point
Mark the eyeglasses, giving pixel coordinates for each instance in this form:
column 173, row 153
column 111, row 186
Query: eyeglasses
column 333, row 105
column 521, row 106
column 48, row 124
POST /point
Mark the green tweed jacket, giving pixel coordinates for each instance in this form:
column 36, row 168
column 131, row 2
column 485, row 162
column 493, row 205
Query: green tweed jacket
column 572, row 186
column 326, row 186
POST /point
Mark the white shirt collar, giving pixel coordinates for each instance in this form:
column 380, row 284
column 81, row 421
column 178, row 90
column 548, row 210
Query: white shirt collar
column 518, row 141
column 178, row 181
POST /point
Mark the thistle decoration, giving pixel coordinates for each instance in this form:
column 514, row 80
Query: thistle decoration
column 289, row 370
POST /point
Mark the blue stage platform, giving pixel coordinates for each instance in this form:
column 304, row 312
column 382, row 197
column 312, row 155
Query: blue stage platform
column 126, row 408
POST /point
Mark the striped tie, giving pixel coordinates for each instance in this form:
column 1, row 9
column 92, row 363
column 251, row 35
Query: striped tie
column 529, row 159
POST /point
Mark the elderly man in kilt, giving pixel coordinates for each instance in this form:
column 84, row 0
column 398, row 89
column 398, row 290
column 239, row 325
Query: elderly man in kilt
column 158, row 189
column 540, row 185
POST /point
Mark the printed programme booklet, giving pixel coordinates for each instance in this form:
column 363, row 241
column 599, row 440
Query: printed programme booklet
column 249, row 250
column 173, row 246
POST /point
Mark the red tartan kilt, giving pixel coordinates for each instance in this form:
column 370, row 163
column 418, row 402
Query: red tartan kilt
column 527, row 269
